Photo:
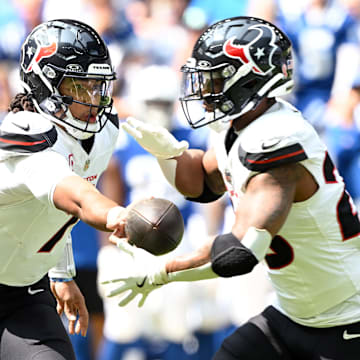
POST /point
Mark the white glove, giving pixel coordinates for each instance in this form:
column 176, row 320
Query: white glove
column 155, row 139
column 151, row 275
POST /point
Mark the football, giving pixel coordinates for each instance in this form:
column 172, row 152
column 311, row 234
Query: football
column 155, row 225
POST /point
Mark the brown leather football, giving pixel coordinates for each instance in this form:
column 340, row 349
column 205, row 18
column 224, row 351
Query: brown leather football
column 155, row 225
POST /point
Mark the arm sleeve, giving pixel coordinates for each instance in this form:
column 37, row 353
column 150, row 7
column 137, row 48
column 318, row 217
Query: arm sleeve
column 41, row 172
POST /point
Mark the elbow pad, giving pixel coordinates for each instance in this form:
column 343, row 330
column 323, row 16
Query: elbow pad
column 207, row 196
column 229, row 257
column 168, row 168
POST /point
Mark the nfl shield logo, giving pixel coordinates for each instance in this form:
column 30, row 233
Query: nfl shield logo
column 87, row 164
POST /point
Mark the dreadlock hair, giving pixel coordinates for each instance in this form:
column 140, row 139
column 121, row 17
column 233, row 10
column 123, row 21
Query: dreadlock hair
column 21, row 102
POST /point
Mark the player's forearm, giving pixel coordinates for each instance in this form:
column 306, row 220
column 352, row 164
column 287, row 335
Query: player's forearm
column 94, row 210
column 81, row 199
column 192, row 267
column 190, row 261
column 185, row 172
column 203, row 272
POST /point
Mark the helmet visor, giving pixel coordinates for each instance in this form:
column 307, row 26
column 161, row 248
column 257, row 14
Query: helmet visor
column 202, row 96
column 197, row 85
column 91, row 92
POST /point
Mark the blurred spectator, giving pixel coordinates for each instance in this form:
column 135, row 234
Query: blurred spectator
column 318, row 30
column 197, row 16
column 269, row 9
column 108, row 20
column 212, row 11
column 343, row 137
column 157, row 25
column 17, row 19
column 353, row 7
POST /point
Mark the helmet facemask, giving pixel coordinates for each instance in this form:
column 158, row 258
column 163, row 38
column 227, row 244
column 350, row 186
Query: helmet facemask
column 202, row 94
column 222, row 94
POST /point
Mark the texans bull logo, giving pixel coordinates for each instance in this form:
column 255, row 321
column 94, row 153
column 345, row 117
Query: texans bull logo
column 263, row 45
column 35, row 51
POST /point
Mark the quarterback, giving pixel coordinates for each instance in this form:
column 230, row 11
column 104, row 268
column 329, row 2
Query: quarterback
column 54, row 144
column 292, row 210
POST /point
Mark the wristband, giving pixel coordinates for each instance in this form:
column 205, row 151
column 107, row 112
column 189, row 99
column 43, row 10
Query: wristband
column 258, row 241
column 112, row 215
column 61, row 279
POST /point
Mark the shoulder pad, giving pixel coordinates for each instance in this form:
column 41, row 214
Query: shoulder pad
column 26, row 132
column 275, row 139
column 263, row 161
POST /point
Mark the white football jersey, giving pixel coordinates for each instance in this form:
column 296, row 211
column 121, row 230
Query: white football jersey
column 313, row 262
column 34, row 156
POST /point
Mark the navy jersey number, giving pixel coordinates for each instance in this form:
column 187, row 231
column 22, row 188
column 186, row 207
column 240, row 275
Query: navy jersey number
column 283, row 253
column 347, row 216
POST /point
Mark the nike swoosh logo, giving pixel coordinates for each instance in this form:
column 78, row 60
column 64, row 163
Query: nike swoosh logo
column 33, row 292
column 348, row 336
column 269, row 144
column 142, row 283
column 25, row 128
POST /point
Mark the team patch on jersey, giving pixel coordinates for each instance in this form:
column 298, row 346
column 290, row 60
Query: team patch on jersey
column 267, row 160
column 24, row 143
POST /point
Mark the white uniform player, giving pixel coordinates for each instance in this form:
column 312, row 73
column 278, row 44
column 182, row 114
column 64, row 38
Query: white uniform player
column 312, row 260
column 54, row 144
column 291, row 206
column 30, row 247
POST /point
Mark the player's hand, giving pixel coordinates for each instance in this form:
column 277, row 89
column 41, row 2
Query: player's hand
column 155, row 139
column 71, row 302
column 151, row 274
column 116, row 220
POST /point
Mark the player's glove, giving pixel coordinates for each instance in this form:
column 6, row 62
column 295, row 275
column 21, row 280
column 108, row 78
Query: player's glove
column 155, row 139
column 151, row 275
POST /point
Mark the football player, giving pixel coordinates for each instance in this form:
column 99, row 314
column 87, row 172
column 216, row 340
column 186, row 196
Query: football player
column 292, row 210
column 54, row 144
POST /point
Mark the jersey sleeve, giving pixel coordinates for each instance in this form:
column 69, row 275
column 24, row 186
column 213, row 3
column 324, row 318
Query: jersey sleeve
column 263, row 161
column 25, row 133
column 286, row 139
column 41, row 172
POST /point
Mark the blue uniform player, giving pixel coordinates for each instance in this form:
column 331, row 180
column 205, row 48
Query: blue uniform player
column 316, row 33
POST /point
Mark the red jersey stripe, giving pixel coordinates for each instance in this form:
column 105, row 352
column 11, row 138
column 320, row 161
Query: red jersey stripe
column 14, row 142
column 276, row 158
